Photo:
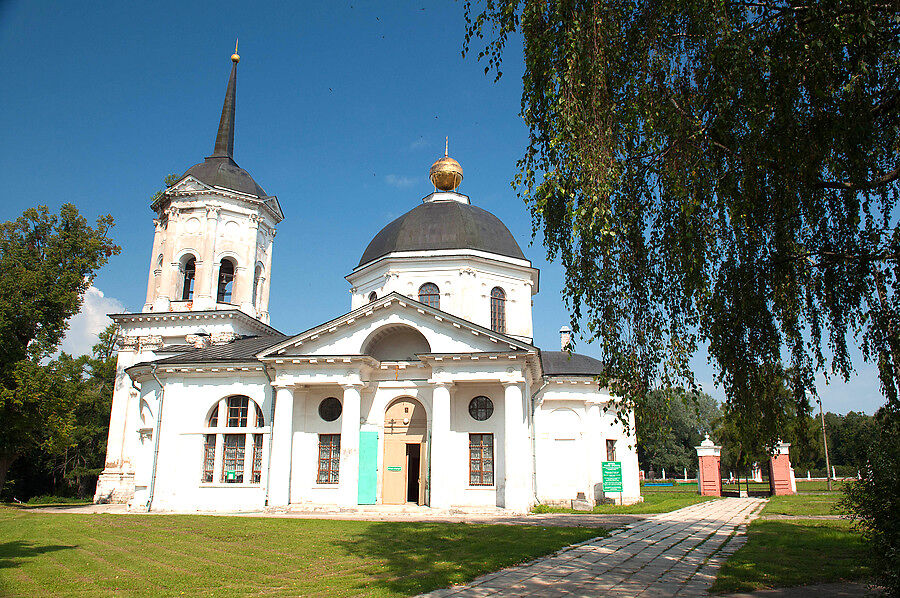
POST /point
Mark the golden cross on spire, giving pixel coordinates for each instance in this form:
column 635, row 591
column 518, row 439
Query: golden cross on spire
column 446, row 146
column 235, row 58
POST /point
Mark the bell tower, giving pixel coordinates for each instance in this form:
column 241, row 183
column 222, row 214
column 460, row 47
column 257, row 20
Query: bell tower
column 208, row 284
column 214, row 233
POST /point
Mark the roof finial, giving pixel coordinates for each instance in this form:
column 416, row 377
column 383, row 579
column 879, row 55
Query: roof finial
column 446, row 174
column 235, row 58
column 224, row 147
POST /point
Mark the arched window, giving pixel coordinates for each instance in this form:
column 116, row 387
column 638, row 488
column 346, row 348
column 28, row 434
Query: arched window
column 257, row 274
column 498, row 310
column 188, row 274
column 226, row 281
column 373, row 296
column 241, row 435
column 430, row 295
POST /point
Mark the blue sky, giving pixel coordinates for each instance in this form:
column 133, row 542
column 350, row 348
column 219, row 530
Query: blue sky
column 341, row 109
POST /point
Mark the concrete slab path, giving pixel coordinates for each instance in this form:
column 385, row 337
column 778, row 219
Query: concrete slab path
column 671, row 554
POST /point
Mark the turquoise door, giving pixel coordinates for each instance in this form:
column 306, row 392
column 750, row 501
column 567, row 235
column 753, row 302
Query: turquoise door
column 368, row 466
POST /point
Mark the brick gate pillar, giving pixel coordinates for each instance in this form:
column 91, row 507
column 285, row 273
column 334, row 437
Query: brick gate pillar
column 709, row 482
column 782, row 475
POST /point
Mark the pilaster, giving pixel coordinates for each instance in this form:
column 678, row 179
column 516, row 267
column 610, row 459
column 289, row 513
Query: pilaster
column 282, row 447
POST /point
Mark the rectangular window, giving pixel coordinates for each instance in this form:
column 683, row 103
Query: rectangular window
column 233, row 459
column 237, row 412
column 481, row 459
column 209, row 457
column 610, row 450
column 256, row 475
column 329, row 458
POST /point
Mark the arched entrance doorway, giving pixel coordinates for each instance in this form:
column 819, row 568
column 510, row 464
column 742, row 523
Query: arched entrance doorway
column 405, row 454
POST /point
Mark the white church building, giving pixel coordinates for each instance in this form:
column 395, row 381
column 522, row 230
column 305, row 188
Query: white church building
column 428, row 391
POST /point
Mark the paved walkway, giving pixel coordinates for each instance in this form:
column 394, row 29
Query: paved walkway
column 671, row 554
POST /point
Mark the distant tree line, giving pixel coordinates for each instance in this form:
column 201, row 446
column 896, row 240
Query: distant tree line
column 671, row 424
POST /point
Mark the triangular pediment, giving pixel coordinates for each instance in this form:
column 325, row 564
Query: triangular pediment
column 354, row 332
column 189, row 184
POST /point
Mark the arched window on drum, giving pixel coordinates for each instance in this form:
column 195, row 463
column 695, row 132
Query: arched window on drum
column 498, row 310
column 237, row 426
column 430, row 295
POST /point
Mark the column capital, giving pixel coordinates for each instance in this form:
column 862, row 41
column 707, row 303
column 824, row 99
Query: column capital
column 282, row 386
column 441, row 383
column 349, row 385
column 507, row 383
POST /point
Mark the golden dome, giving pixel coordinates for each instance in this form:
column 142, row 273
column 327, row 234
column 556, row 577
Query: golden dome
column 446, row 174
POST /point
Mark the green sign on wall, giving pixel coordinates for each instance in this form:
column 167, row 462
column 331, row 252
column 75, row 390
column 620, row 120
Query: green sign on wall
column 395, row 468
column 612, row 476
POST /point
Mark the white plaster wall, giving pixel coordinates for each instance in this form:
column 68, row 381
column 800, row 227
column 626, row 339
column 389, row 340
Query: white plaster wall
column 570, row 419
column 187, row 404
column 465, row 282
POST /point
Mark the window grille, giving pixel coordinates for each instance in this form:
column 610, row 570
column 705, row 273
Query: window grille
column 498, row 310
column 329, row 458
column 209, row 457
column 481, row 408
column 430, row 295
column 233, row 459
column 256, row 475
column 610, row 450
column 481, row 459
column 237, row 412
column 187, row 283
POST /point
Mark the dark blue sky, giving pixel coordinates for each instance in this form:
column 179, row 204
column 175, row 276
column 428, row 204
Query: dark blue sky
column 341, row 109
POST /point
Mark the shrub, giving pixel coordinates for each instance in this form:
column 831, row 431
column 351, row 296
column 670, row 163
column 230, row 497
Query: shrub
column 873, row 502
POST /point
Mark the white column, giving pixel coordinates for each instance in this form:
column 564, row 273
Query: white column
column 348, row 475
column 442, row 480
column 517, row 453
column 282, row 435
column 594, row 451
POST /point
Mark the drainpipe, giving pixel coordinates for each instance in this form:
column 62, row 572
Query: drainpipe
column 159, row 414
column 271, row 435
column 534, row 441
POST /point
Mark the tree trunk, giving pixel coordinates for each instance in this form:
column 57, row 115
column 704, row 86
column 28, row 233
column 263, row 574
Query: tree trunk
column 5, row 462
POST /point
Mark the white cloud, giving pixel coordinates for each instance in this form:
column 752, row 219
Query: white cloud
column 418, row 144
column 400, row 181
column 90, row 321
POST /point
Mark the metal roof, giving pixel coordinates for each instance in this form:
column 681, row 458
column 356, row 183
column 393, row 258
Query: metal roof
column 241, row 350
column 444, row 225
column 223, row 171
column 563, row 363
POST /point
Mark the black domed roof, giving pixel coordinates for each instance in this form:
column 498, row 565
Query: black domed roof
column 443, row 225
column 223, row 171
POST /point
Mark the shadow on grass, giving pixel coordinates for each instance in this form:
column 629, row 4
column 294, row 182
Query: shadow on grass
column 419, row 557
column 12, row 554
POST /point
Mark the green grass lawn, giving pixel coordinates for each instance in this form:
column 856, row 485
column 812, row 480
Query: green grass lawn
column 657, row 499
column 195, row 555
column 803, row 504
column 796, row 552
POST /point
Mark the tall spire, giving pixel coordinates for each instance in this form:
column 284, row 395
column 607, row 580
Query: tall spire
column 224, row 147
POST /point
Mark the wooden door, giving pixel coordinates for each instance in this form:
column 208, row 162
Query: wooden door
column 394, row 481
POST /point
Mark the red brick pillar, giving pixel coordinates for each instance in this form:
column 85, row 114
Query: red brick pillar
column 709, row 482
column 782, row 474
